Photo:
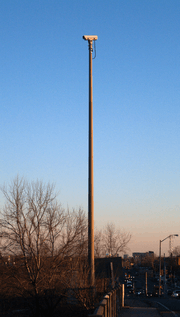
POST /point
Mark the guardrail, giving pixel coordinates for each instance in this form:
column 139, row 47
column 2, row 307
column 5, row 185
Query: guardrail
column 111, row 303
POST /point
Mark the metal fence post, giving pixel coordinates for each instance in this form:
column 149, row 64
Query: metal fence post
column 122, row 294
column 115, row 303
column 110, row 304
column 107, row 305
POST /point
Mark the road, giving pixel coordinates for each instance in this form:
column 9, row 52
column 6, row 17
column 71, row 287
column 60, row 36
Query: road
column 168, row 304
column 169, row 307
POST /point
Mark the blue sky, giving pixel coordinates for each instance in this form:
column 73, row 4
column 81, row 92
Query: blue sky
column 136, row 94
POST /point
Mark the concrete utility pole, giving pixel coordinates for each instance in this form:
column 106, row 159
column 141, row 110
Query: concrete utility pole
column 146, row 283
column 90, row 39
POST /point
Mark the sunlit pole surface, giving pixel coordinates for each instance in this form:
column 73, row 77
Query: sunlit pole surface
column 90, row 40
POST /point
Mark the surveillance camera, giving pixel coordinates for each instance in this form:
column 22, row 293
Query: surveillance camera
column 90, row 37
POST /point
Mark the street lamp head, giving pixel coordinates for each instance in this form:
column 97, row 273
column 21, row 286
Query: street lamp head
column 90, row 37
column 175, row 235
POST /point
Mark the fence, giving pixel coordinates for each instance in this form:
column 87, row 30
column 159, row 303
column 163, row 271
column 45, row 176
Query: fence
column 110, row 304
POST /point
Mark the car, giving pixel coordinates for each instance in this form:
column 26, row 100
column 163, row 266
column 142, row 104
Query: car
column 129, row 284
column 140, row 292
column 176, row 293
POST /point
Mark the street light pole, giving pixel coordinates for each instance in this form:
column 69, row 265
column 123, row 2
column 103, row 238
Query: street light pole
column 170, row 236
column 160, row 268
column 90, row 39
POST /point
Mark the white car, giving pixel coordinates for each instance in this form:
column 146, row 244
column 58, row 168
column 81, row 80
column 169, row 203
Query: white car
column 176, row 293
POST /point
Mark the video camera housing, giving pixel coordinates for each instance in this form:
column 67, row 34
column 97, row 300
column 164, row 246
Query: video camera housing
column 90, row 37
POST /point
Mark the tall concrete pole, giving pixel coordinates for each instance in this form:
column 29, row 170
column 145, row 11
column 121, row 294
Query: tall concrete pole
column 90, row 39
column 91, row 176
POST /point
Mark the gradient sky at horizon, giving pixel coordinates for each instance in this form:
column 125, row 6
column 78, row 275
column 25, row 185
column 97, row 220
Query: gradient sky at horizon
column 136, row 95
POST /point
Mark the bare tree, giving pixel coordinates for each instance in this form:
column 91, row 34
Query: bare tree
column 114, row 240
column 110, row 241
column 49, row 245
column 176, row 251
column 41, row 235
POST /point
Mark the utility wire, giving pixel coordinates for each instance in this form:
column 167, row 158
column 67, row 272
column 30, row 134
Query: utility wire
column 94, row 49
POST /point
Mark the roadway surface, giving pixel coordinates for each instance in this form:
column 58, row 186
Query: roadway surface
column 166, row 307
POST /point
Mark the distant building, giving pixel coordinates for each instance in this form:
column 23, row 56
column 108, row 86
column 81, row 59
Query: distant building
column 126, row 256
column 140, row 257
column 143, row 254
